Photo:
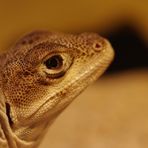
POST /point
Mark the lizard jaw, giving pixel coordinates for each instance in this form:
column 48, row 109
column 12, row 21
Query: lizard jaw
column 49, row 108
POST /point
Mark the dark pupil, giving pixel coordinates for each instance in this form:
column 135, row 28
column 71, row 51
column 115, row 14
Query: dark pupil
column 54, row 62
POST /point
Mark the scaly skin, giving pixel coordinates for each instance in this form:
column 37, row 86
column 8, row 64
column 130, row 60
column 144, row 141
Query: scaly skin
column 40, row 76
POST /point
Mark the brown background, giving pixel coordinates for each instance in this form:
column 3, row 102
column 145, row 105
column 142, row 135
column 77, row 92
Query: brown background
column 113, row 112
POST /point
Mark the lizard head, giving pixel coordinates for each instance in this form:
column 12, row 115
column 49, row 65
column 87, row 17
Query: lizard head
column 44, row 72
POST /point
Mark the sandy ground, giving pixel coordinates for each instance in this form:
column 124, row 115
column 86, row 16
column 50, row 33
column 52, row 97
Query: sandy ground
column 112, row 113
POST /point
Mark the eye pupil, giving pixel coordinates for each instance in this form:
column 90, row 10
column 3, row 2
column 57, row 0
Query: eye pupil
column 54, row 62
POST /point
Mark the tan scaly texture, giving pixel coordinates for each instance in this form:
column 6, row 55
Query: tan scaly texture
column 40, row 76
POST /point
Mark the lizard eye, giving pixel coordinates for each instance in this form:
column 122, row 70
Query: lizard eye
column 54, row 62
column 55, row 65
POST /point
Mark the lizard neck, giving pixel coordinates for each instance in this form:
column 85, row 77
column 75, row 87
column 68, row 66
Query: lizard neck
column 33, row 134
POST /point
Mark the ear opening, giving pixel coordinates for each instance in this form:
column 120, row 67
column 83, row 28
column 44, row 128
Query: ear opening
column 8, row 113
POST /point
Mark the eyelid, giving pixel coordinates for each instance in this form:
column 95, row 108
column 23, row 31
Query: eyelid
column 58, row 75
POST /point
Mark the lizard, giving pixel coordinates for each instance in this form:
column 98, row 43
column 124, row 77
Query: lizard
column 40, row 75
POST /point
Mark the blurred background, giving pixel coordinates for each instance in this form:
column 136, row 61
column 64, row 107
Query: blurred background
column 112, row 113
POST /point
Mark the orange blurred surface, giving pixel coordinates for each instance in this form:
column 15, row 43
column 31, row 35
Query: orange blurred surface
column 19, row 17
column 110, row 114
column 113, row 112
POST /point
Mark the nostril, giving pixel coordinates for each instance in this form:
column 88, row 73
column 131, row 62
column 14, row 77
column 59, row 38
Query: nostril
column 97, row 46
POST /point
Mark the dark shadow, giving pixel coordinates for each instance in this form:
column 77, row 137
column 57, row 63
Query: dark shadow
column 131, row 52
